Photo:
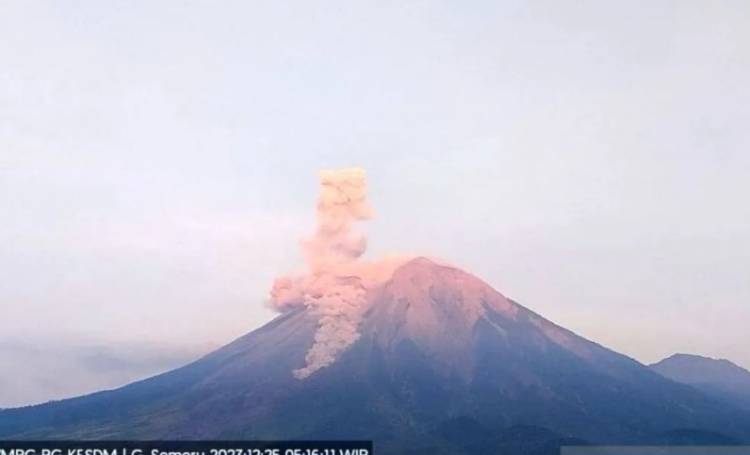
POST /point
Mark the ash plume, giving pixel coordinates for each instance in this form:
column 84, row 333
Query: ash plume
column 335, row 286
column 342, row 201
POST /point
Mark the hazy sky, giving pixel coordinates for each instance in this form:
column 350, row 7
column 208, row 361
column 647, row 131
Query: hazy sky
column 158, row 164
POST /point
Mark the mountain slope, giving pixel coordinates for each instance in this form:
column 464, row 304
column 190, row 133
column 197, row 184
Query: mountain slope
column 718, row 377
column 443, row 363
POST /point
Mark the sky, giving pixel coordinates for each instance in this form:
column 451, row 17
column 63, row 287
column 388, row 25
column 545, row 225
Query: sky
column 159, row 164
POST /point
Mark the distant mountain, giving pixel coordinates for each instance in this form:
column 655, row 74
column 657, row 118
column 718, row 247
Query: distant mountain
column 443, row 364
column 718, row 377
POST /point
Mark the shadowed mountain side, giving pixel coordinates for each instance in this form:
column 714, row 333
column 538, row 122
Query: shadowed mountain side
column 443, row 364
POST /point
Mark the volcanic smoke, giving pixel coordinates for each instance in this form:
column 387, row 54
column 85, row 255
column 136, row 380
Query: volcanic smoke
column 335, row 286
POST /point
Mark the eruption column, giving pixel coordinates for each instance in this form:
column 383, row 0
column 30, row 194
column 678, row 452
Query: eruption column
column 335, row 287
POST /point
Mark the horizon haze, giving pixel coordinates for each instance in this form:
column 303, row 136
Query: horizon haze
column 159, row 165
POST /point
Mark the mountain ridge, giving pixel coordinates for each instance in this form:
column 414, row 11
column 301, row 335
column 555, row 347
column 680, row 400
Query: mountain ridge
column 720, row 378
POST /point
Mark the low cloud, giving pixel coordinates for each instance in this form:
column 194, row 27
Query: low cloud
column 53, row 371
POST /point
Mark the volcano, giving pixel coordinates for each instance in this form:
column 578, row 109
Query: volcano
column 442, row 363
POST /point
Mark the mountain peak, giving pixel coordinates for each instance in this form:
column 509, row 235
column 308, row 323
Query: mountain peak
column 435, row 307
column 693, row 368
column 418, row 261
column 681, row 356
column 425, row 281
column 718, row 377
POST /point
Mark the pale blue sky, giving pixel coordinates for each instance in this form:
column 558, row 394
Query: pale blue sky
column 158, row 163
